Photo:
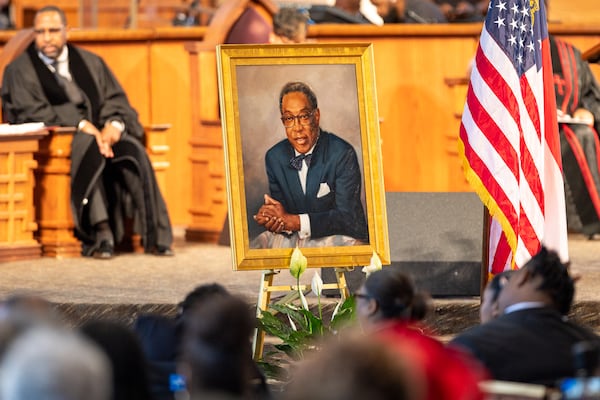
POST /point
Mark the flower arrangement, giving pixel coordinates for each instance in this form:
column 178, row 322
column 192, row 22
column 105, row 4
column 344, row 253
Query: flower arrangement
column 299, row 329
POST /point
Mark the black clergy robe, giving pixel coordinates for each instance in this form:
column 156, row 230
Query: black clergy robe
column 30, row 93
column 575, row 87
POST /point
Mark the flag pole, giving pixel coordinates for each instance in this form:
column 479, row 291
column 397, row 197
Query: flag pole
column 485, row 251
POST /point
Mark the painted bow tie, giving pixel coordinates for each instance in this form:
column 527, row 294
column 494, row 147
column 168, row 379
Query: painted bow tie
column 296, row 162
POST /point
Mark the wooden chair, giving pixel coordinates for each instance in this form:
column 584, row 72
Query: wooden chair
column 592, row 55
column 236, row 21
column 53, row 182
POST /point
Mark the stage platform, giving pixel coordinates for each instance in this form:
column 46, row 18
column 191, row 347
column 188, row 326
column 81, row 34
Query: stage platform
column 130, row 284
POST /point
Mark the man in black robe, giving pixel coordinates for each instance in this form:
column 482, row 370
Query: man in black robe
column 578, row 103
column 111, row 175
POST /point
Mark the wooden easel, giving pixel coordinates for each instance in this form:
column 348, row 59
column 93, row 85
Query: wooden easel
column 264, row 297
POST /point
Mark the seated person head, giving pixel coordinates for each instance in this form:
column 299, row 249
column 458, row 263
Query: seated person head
column 389, row 294
column 289, row 26
column 200, row 294
column 216, row 352
column 488, row 309
column 50, row 27
column 48, row 363
column 130, row 375
column 352, row 367
column 389, row 9
column 543, row 279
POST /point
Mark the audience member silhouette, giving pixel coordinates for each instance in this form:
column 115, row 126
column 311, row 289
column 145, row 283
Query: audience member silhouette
column 532, row 340
column 121, row 346
column 389, row 307
column 216, row 353
column 343, row 12
column 464, row 10
column 355, row 368
column 53, row 364
column 409, row 11
column 488, row 309
column 161, row 340
column 30, row 305
column 21, row 312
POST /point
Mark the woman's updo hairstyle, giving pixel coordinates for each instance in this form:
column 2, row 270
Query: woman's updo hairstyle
column 396, row 295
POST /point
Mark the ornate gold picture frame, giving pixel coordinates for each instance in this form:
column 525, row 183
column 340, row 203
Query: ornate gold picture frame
column 342, row 78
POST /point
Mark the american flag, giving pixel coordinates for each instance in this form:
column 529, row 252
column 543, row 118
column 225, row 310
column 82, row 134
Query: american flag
column 509, row 135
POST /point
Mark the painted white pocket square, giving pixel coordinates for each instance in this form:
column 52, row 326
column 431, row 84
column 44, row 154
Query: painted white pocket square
column 323, row 190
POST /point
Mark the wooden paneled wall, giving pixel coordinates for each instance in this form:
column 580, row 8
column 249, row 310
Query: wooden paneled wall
column 574, row 11
column 412, row 62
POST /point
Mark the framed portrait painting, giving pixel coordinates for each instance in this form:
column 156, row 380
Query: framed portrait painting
column 302, row 154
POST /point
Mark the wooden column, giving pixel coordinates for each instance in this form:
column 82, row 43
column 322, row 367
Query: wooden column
column 17, row 213
column 158, row 152
column 209, row 204
column 52, row 195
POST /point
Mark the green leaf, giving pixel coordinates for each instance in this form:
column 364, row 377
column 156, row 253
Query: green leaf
column 273, row 326
column 298, row 315
column 345, row 315
column 310, row 329
column 273, row 371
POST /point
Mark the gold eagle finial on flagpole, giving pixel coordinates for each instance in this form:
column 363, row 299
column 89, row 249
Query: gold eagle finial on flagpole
column 534, row 5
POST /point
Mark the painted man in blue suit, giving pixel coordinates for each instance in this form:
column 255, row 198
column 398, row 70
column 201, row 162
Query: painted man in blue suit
column 314, row 181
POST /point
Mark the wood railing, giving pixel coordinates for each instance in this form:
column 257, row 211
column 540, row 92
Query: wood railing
column 105, row 14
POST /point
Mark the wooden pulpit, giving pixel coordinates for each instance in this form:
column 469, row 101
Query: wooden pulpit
column 17, row 212
column 52, row 195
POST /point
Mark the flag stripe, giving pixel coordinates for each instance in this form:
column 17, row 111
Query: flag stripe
column 509, row 137
column 501, row 258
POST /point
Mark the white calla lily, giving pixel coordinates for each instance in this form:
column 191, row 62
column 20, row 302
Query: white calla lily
column 298, row 263
column 316, row 284
column 336, row 309
column 292, row 324
column 303, row 300
column 375, row 265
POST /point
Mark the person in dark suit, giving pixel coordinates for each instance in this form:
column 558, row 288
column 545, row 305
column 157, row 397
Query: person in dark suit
column 532, row 341
column 342, row 12
column 409, row 11
column 314, row 176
